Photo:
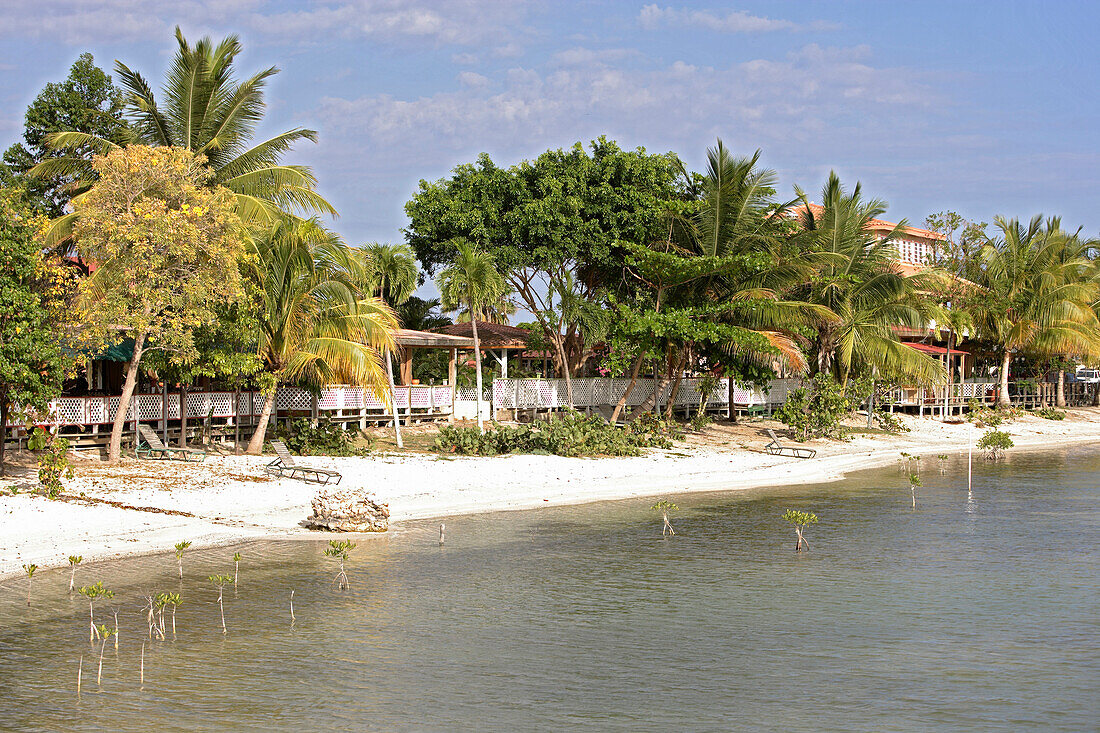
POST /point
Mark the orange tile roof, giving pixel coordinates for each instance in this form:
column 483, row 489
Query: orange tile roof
column 876, row 224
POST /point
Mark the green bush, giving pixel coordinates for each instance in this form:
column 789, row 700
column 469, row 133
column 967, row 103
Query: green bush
column 1050, row 413
column 326, row 439
column 994, row 442
column 53, row 460
column 572, row 434
column 816, row 411
column 889, row 422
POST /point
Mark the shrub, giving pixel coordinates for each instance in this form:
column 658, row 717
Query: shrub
column 53, row 460
column 890, row 423
column 816, row 412
column 572, row 434
column 1050, row 413
column 994, row 442
column 326, row 439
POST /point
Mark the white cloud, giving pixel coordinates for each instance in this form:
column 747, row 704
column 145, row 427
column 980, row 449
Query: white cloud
column 470, row 79
column 654, row 17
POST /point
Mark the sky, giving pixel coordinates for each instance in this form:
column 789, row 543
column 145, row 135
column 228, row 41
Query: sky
column 984, row 108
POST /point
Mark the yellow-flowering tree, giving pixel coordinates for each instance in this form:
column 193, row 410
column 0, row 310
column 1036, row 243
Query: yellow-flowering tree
column 167, row 249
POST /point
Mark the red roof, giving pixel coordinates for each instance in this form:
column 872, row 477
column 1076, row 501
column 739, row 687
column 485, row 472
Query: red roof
column 876, row 224
column 937, row 350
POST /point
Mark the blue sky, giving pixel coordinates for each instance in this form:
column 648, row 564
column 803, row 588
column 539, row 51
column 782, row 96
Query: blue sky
column 982, row 107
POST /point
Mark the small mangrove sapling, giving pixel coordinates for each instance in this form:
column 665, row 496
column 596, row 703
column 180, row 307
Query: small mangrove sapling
column 995, row 442
column 800, row 520
column 338, row 550
column 74, row 560
column 29, row 570
column 665, row 508
column 943, row 462
column 94, row 593
column 105, row 632
column 236, row 567
column 219, row 582
column 914, row 482
column 180, row 547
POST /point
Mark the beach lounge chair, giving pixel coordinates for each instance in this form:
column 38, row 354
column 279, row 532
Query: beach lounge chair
column 284, row 465
column 151, row 446
column 776, row 448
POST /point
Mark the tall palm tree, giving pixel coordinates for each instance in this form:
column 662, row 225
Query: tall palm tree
column 1039, row 297
column 419, row 314
column 858, row 282
column 205, row 109
column 390, row 271
column 472, row 281
column 314, row 326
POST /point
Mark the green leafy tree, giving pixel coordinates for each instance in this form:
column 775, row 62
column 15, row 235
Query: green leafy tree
column 314, row 328
column 390, row 271
column 203, row 108
column 86, row 102
column 474, row 282
column 169, row 249
column 1037, row 296
column 565, row 213
column 800, row 520
column 32, row 362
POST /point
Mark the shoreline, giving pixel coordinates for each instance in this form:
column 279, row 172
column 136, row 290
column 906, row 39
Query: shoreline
column 228, row 500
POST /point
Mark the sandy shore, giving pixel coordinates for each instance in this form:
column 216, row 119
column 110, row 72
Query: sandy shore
column 142, row 507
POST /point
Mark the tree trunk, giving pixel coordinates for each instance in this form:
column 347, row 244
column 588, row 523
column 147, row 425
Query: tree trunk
column 477, row 362
column 256, row 444
column 4, row 410
column 114, row 448
column 1060, row 398
column 1002, row 397
column 393, row 400
column 661, row 381
column 950, row 376
column 629, row 388
column 559, row 348
column 670, row 408
column 183, row 416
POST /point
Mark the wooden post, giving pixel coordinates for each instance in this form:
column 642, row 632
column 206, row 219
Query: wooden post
column 314, row 409
column 164, row 412
column 237, row 419
column 452, row 377
column 183, row 416
column 406, row 365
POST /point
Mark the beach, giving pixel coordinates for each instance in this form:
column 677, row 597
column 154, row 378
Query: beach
column 141, row 507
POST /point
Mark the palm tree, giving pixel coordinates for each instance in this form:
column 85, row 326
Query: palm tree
column 857, row 281
column 1038, row 295
column 474, row 282
column 390, row 271
column 419, row 314
column 314, row 327
column 206, row 110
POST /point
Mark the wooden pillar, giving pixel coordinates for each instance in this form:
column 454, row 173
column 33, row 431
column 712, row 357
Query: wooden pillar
column 504, row 363
column 164, row 412
column 452, row 377
column 183, row 416
column 406, row 365
column 314, row 409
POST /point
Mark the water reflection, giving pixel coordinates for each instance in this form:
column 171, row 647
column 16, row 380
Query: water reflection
column 586, row 617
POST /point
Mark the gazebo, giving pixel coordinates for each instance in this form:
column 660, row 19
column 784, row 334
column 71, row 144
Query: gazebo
column 496, row 338
column 409, row 340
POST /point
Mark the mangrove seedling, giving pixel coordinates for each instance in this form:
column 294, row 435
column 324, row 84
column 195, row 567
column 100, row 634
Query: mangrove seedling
column 74, row 560
column 180, row 547
column 219, row 582
column 943, row 462
column 29, row 570
column 665, row 508
column 914, row 482
column 800, row 520
column 173, row 600
column 236, row 567
column 995, row 442
column 150, row 614
column 94, row 593
column 338, row 550
column 105, row 632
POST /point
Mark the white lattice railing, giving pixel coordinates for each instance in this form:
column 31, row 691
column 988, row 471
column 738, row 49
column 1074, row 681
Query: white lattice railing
column 511, row 394
column 200, row 405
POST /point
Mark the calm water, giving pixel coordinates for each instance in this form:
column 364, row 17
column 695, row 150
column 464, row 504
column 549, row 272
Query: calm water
column 976, row 614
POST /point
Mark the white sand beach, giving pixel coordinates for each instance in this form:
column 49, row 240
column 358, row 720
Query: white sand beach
column 143, row 507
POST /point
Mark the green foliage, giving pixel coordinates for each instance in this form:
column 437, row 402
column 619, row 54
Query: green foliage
column 573, row 434
column 798, row 518
column 914, row 480
column 994, row 442
column 96, row 592
column 29, row 569
column 664, row 506
column 339, row 549
column 890, row 423
column 53, row 460
column 180, row 547
column 992, row 417
column 220, row 581
column 32, row 362
column 86, row 101
column 1050, row 413
column 816, row 411
column 324, row 439
column 75, row 559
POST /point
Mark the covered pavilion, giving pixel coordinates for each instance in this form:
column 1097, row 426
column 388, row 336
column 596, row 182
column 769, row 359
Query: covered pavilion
column 499, row 339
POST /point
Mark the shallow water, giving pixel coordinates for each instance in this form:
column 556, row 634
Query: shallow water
column 976, row 614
